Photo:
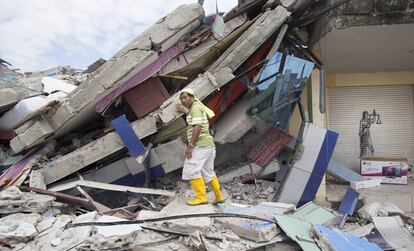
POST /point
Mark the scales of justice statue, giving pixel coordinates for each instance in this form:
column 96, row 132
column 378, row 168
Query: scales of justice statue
column 367, row 149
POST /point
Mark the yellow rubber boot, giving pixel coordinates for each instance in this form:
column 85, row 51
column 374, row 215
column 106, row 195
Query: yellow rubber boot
column 215, row 185
column 199, row 188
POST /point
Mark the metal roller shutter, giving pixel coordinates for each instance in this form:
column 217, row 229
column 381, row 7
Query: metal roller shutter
column 393, row 138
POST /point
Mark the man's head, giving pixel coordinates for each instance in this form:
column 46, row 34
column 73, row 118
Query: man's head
column 186, row 99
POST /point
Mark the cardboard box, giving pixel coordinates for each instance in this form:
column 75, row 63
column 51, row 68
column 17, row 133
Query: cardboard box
column 389, row 170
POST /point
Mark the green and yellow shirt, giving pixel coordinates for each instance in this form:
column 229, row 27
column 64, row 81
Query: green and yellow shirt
column 197, row 116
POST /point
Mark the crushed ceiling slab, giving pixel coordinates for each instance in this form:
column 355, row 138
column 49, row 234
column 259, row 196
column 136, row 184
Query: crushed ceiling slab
column 80, row 105
column 94, row 151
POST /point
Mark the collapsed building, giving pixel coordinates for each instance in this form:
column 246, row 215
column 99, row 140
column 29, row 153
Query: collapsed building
column 108, row 142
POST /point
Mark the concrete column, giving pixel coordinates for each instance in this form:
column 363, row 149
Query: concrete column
column 318, row 119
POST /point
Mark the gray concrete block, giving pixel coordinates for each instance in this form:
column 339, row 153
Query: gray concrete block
column 365, row 184
column 403, row 201
column 171, row 155
column 94, row 151
column 39, row 130
column 36, row 179
column 79, row 108
column 343, row 172
column 12, row 200
column 234, row 123
column 272, row 167
column 203, row 86
column 11, row 95
column 255, row 36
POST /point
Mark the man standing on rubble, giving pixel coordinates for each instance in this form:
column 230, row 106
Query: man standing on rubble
column 201, row 151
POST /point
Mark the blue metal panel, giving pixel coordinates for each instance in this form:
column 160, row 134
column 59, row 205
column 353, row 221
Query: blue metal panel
column 343, row 172
column 342, row 241
column 320, row 167
column 139, row 178
column 310, row 190
column 325, row 153
column 128, row 136
column 349, row 202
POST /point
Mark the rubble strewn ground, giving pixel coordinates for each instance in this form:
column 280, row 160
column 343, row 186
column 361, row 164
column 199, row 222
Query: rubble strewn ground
column 73, row 179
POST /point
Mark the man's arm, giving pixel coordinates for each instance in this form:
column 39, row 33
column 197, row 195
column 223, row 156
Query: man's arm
column 191, row 143
column 196, row 133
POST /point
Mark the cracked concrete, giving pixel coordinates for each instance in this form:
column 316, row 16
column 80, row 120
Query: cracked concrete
column 94, row 151
column 79, row 108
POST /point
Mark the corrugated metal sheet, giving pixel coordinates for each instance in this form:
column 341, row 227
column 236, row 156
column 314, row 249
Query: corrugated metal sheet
column 270, row 144
column 393, row 138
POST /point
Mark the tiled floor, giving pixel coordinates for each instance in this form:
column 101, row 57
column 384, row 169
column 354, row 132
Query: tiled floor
column 401, row 195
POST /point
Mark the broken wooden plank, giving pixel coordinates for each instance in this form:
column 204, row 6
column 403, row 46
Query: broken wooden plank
column 104, row 186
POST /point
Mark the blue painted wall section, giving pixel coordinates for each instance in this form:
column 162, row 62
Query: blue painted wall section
column 139, row 178
column 320, row 168
column 349, row 202
column 128, row 136
column 342, row 241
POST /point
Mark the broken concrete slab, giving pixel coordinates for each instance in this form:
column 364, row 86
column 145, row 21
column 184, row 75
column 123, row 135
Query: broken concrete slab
column 112, row 237
column 36, row 179
column 234, row 123
column 203, row 86
column 126, row 171
column 29, row 134
column 10, row 96
column 170, row 155
column 365, row 184
column 139, row 78
column 94, row 151
column 345, row 173
column 249, row 41
column 51, row 85
column 194, row 59
column 28, row 109
column 109, row 231
column 254, row 230
column 14, row 231
column 12, row 200
column 252, row 168
column 394, row 232
column 371, row 210
column 363, row 231
column 111, row 187
column 80, row 105
column 176, row 129
column 58, row 237
column 179, row 207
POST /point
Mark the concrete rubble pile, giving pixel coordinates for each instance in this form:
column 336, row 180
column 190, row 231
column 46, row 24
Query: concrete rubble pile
column 91, row 160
